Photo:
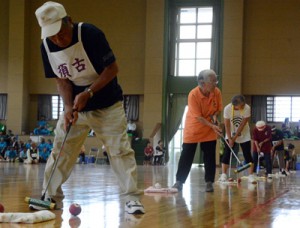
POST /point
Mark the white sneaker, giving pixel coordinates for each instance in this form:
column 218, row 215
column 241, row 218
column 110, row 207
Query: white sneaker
column 252, row 179
column 223, row 177
column 134, row 207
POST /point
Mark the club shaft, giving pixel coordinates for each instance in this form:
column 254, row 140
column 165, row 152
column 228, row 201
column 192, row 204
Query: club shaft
column 56, row 161
column 230, row 148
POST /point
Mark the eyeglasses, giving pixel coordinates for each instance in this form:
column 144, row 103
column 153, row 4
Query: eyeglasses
column 213, row 82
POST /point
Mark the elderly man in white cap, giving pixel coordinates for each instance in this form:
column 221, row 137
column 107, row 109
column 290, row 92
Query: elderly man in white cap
column 262, row 137
column 79, row 58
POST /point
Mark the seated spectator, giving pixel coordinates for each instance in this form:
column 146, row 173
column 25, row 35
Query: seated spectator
column 5, row 137
column 10, row 154
column 42, row 128
column 286, row 131
column 49, row 145
column 32, row 155
column 21, row 145
column 28, row 144
column 131, row 129
column 105, row 154
column 23, row 155
column 3, row 146
column 14, row 143
column 42, row 144
column 10, row 133
column 9, row 137
column 159, row 153
column 22, row 151
column 82, row 155
column 148, row 151
column 106, row 157
column 44, row 155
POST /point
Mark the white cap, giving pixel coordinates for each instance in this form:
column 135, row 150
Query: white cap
column 260, row 125
column 49, row 17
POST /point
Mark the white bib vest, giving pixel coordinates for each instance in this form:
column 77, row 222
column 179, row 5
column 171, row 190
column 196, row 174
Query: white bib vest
column 73, row 63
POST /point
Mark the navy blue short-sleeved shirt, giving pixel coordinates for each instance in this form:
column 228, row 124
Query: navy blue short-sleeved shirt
column 100, row 55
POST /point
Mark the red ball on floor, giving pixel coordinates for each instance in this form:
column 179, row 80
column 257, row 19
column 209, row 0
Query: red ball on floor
column 1, row 208
column 75, row 209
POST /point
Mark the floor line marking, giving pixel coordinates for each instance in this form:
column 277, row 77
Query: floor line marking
column 253, row 210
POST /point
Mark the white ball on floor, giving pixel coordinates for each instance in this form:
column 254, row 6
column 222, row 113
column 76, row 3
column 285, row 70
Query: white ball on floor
column 157, row 185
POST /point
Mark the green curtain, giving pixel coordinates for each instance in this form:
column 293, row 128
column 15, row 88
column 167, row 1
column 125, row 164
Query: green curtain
column 45, row 106
column 3, row 106
column 258, row 109
column 177, row 104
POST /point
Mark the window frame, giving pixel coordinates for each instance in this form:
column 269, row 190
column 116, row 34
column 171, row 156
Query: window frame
column 178, row 41
column 60, row 107
column 270, row 109
column 182, row 85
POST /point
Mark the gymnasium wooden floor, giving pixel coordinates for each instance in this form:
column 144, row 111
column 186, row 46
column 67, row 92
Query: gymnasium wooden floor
column 94, row 187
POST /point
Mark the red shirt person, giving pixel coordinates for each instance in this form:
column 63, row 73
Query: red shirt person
column 262, row 138
column 148, row 151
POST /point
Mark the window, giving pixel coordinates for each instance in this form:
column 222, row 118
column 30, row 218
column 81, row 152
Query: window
column 193, row 42
column 57, row 106
column 53, row 105
column 281, row 107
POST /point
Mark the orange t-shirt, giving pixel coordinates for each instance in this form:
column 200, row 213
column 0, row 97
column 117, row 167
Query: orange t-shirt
column 201, row 106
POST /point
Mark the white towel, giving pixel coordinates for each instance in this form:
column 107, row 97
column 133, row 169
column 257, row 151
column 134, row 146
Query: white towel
column 39, row 216
column 152, row 189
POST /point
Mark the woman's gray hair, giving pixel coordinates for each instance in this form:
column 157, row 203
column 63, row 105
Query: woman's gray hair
column 204, row 76
column 238, row 99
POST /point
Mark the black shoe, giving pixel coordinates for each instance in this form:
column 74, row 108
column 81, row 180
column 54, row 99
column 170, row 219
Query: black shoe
column 178, row 185
column 209, row 187
column 284, row 173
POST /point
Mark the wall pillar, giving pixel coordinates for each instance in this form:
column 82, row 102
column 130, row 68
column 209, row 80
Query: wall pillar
column 16, row 58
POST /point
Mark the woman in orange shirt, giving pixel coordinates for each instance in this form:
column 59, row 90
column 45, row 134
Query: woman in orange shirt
column 204, row 105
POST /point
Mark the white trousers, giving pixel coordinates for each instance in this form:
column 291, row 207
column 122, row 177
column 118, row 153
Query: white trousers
column 109, row 125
